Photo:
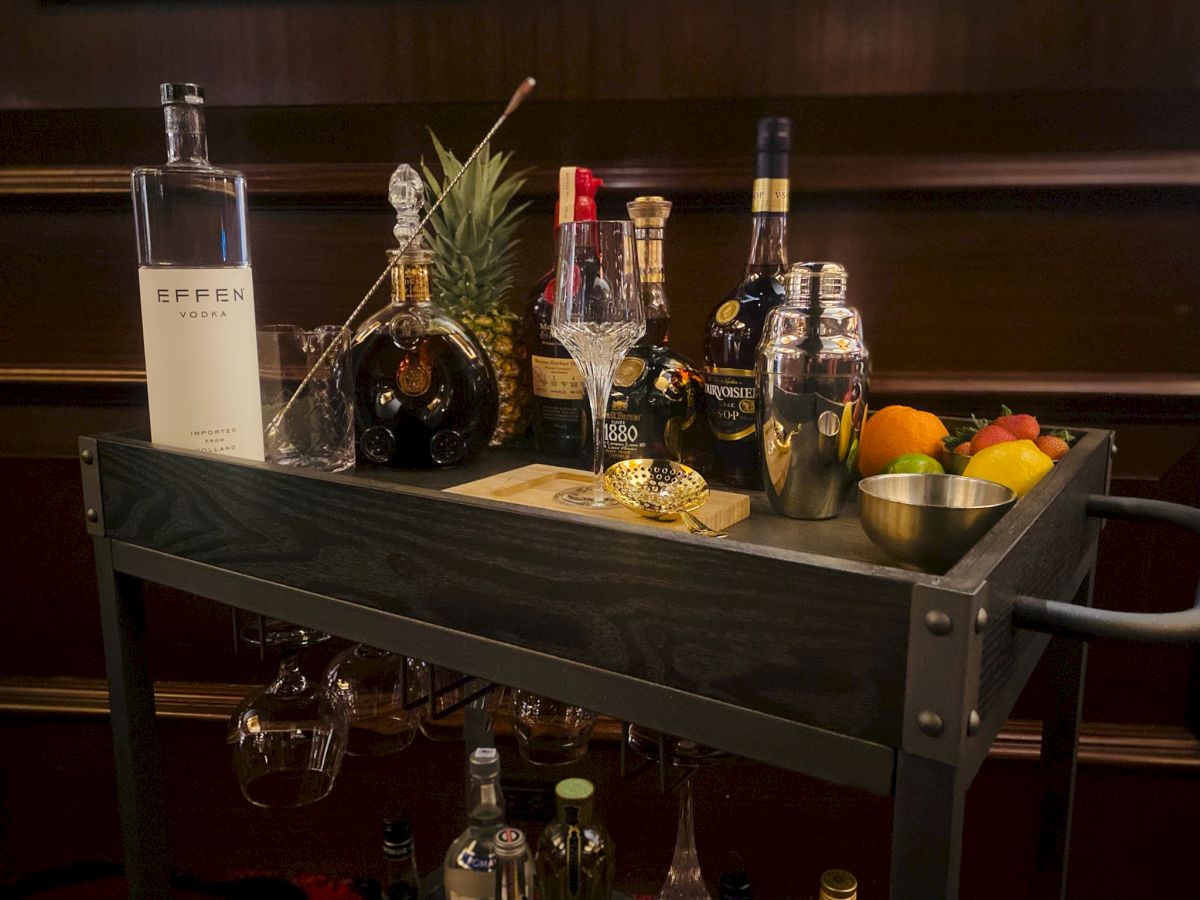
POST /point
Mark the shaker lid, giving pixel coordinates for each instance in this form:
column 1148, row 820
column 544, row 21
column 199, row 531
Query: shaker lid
column 822, row 281
column 649, row 212
column 181, row 92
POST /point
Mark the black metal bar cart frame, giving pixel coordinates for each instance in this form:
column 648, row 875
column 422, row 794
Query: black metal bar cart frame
column 794, row 643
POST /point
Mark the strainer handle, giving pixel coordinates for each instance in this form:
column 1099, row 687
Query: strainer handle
column 1069, row 620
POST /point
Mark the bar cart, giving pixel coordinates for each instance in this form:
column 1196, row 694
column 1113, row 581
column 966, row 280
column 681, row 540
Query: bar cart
column 793, row 643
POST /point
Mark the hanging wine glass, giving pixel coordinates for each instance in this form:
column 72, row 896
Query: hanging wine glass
column 379, row 690
column 598, row 316
column 288, row 740
column 449, row 691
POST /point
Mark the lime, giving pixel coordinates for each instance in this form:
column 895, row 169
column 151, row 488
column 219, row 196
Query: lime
column 1015, row 464
column 914, row 462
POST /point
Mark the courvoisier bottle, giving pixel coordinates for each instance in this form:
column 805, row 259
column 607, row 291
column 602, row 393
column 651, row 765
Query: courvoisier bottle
column 197, row 295
column 736, row 323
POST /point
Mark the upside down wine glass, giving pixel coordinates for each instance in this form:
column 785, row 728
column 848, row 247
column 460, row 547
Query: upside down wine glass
column 598, row 317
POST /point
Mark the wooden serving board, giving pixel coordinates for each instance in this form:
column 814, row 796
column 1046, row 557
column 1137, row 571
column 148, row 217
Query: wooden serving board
column 535, row 485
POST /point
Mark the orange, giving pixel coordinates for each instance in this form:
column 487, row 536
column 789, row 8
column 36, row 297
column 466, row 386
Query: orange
column 895, row 431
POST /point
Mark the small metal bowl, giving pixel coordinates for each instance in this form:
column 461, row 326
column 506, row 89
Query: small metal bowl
column 929, row 521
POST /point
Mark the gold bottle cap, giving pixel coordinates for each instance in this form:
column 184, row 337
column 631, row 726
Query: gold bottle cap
column 649, row 212
column 838, row 884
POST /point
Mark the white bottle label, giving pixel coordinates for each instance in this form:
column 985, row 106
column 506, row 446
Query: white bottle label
column 202, row 360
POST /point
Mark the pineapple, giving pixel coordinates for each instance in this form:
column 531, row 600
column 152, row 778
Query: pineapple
column 473, row 269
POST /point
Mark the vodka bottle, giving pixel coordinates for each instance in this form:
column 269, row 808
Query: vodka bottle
column 470, row 864
column 196, row 293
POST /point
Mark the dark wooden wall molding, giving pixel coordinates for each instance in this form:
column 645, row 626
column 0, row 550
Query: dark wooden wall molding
column 342, row 183
column 1101, row 744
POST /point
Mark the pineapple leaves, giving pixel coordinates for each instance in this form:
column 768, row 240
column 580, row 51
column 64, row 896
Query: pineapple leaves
column 473, row 230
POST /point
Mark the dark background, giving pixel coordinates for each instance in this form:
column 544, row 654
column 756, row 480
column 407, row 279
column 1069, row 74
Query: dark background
column 1013, row 188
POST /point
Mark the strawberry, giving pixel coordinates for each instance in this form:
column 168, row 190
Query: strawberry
column 1054, row 447
column 1022, row 427
column 988, row 435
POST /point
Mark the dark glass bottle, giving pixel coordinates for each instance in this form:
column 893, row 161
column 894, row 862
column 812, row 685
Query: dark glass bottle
column 735, row 885
column 424, row 391
column 559, row 410
column 400, row 880
column 656, row 408
column 735, row 325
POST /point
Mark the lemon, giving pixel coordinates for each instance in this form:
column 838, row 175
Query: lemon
column 1015, row 464
column 914, row 462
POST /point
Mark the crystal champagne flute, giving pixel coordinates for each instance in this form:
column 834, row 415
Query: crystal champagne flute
column 598, row 316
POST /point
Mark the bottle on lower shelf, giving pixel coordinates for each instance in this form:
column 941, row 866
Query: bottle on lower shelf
column 400, row 879
column 470, row 861
column 735, row 885
column 838, row 884
column 514, row 866
column 575, row 854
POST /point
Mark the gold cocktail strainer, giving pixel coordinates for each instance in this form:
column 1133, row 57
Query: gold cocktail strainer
column 661, row 489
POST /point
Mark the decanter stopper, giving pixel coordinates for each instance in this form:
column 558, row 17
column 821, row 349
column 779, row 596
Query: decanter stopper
column 406, row 192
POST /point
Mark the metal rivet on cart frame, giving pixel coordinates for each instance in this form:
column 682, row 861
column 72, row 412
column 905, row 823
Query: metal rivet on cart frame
column 981, row 621
column 973, row 723
column 938, row 622
column 87, row 457
column 930, row 723
column 93, row 516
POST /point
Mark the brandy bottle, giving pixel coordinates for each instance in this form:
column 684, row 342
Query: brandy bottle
column 736, row 323
column 656, row 408
column 561, row 424
column 424, row 394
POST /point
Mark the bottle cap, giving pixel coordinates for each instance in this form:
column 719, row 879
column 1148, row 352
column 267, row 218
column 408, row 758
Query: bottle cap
column 509, row 843
column 577, row 186
column 838, row 884
column 822, row 281
column 190, row 94
column 406, row 193
column 574, row 790
column 735, row 885
column 485, row 762
column 774, row 134
column 649, row 212
column 397, row 828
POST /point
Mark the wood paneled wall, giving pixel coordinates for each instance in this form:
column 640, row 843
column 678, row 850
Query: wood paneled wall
column 1013, row 188
column 74, row 54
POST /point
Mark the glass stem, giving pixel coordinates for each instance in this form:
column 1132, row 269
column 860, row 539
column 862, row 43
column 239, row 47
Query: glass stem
column 599, row 401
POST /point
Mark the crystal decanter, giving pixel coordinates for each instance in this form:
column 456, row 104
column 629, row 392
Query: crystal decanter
column 425, row 393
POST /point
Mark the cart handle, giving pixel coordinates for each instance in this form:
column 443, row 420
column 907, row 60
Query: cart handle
column 1069, row 620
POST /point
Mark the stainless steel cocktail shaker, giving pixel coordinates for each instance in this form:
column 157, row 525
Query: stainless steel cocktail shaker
column 812, row 372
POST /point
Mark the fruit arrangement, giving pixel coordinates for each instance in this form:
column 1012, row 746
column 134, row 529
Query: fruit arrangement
column 1010, row 450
